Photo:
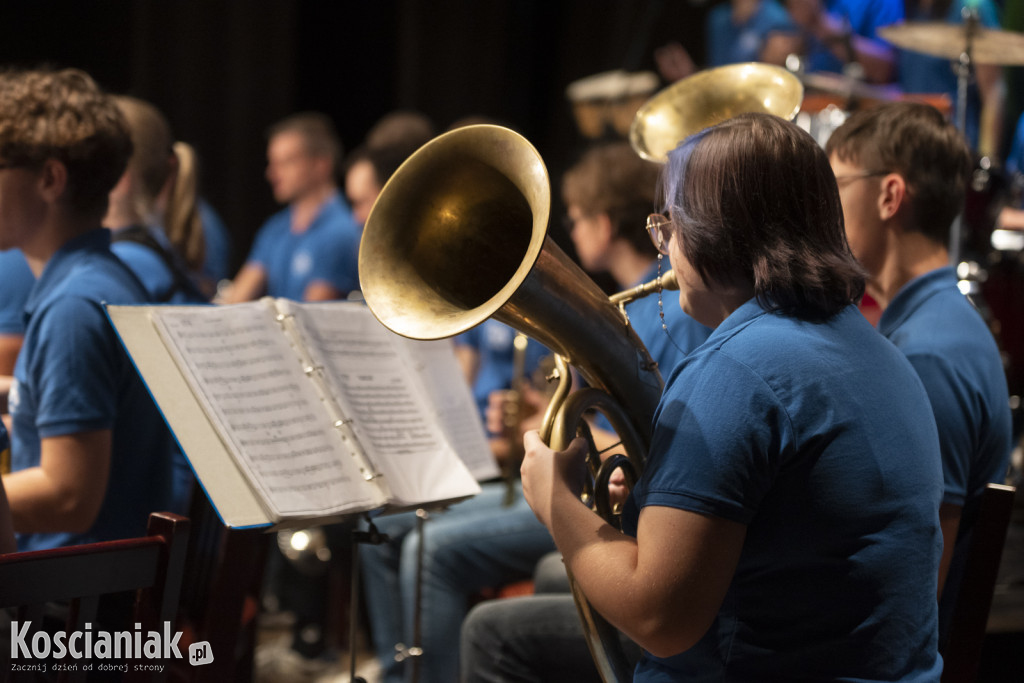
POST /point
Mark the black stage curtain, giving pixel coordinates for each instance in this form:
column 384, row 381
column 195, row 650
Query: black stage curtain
column 224, row 70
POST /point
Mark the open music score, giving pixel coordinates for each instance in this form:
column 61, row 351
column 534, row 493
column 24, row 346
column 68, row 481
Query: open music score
column 317, row 408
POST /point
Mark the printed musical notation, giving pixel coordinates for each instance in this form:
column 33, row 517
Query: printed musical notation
column 406, row 398
column 291, row 412
column 250, row 378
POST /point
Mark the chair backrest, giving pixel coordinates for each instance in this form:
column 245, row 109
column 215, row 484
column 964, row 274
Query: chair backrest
column 150, row 567
column 220, row 595
column 962, row 654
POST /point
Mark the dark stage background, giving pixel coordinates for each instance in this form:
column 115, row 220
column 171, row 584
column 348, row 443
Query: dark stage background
column 223, row 70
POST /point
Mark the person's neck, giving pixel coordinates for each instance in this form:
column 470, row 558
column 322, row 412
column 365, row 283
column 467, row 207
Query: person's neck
column 306, row 207
column 628, row 265
column 54, row 233
column 742, row 10
column 910, row 255
column 121, row 215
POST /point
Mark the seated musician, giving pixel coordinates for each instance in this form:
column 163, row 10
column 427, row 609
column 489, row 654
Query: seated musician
column 91, row 457
column 786, row 526
column 482, row 542
column 839, row 36
column 902, row 171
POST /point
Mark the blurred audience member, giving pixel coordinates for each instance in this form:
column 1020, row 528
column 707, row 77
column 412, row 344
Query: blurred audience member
column 153, row 212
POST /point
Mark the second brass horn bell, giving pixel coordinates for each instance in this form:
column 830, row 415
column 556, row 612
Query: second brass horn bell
column 708, row 98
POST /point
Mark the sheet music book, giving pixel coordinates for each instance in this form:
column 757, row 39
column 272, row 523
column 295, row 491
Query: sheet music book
column 301, row 411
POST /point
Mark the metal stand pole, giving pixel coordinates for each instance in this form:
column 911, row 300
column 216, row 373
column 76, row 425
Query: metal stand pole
column 373, row 537
column 963, row 80
column 415, row 650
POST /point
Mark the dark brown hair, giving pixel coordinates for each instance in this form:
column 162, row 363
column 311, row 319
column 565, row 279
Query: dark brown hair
column 753, row 202
column 917, row 142
column 63, row 115
column 611, row 179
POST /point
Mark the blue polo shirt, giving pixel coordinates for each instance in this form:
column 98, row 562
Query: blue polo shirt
column 957, row 359
column 865, row 17
column 328, row 251
column 681, row 334
column 16, row 280
column 731, row 43
column 818, row 437
column 74, row 376
column 492, row 341
column 148, row 265
column 217, row 264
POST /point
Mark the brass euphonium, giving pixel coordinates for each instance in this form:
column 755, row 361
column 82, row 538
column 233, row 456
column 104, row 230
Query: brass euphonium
column 458, row 235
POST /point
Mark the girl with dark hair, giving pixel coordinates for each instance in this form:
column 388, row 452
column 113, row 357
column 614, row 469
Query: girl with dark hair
column 786, row 526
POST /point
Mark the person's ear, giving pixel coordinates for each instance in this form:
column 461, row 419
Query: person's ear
column 53, row 180
column 892, row 195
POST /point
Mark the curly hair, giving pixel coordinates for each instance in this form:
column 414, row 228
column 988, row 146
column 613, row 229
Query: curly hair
column 63, row 115
column 753, row 201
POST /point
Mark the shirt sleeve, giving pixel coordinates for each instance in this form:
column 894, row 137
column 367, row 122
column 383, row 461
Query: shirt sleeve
column 336, row 261
column 75, row 367
column 950, row 400
column 720, row 437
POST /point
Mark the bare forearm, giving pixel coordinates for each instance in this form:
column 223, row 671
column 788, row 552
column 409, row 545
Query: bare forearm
column 877, row 60
column 38, row 505
column 66, row 490
column 602, row 560
column 249, row 284
column 663, row 612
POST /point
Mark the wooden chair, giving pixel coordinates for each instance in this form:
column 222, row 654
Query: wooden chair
column 962, row 654
column 220, row 594
column 150, row 566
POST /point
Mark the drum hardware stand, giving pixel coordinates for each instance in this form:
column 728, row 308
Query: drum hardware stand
column 963, row 69
column 414, row 651
column 374, row 537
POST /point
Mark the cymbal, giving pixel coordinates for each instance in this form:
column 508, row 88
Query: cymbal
column 709, row 97
column 938, row 39
column 846, row 87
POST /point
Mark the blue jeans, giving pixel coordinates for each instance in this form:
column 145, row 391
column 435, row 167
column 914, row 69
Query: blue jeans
column 534, row 639
column 476, row 544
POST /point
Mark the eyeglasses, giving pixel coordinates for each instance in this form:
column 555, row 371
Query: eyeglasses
column 659, row 227
column 844, row 180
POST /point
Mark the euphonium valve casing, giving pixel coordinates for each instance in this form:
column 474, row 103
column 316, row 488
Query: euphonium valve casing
column 459, row 234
